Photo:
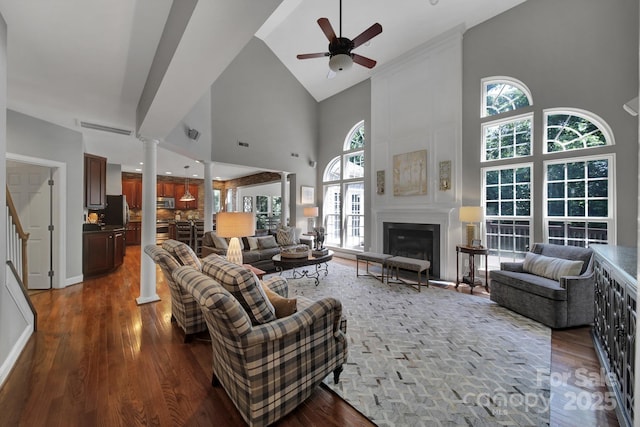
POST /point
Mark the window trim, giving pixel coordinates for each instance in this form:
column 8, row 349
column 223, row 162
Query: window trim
column 587, row 115
column 505, row 80
column 499, row 122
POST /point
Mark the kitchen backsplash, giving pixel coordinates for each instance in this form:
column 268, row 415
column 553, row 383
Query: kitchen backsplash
column 168, row 214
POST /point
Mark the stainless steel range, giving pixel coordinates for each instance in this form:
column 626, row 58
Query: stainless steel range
column 162, row 231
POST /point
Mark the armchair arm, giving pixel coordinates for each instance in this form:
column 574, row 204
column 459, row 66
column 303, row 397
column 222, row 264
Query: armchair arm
column 278, row 329
column 278, row 285
column 516, row 267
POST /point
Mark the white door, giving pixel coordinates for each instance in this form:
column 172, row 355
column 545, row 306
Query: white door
column 31, row 195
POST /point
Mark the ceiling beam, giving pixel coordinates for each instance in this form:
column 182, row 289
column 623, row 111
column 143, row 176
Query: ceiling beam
column 200, row 40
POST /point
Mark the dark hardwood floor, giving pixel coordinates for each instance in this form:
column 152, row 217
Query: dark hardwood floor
column 99, row 359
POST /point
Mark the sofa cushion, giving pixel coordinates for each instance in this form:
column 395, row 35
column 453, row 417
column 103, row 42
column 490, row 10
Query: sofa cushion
column 249, row 257
column 253, row 243
column 267, row 242
column 267, row 254
column 283, row 306
column 243, row 285
column 551, row 268
column 530, row 283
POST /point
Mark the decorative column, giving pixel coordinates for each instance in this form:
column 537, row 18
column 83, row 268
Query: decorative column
column 147, row 266
column 284, row 202
column 208, row 195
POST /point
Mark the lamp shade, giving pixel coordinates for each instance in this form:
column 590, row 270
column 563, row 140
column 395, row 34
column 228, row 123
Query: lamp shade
column 310, row 212
column 235, row 224
column 340, row 62
column 471, row 214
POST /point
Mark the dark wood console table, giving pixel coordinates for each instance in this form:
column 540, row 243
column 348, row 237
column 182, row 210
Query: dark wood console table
column 471, row 279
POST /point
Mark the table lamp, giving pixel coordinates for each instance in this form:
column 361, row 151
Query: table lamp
column 471, row 215
column 234, row 225
column 312, row 214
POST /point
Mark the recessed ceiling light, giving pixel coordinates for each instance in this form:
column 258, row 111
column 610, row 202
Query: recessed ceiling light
column 195, row 174
column 138, row 170
column 168, row 173
column 141, row 163
column 218, row 178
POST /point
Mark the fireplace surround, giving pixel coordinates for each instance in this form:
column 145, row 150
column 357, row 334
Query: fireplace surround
column 418, row 241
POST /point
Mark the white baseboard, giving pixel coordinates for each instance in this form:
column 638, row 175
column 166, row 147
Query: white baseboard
column 73, row 280
column 12, row 357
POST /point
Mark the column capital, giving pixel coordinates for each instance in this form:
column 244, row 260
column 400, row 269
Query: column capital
column 144, row 138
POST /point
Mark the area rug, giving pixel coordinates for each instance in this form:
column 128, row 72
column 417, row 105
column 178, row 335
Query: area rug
column 436, row 357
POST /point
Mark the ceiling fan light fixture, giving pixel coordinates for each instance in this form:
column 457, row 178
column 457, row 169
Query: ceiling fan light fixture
column 340, row 62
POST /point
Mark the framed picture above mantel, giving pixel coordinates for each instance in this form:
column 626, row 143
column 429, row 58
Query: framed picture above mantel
column 410, row 173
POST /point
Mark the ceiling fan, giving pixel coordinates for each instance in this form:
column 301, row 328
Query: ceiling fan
column 340, row 55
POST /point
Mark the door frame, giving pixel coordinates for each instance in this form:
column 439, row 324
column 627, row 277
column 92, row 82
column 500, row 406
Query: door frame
column 59, row 204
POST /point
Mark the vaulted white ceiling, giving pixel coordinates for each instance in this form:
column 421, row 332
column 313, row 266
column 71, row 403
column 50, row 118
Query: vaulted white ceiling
column 73, row 60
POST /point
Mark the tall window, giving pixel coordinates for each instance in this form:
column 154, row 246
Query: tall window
column 578, row 196
column 508, row 210
column 507, row 189
column 578, row 209
column 343, row 185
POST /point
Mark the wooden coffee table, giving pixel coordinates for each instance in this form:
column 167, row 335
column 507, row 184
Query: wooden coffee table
column 319, row 262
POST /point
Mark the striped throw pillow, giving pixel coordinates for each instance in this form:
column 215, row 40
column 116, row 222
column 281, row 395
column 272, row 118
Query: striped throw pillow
column 551, row 268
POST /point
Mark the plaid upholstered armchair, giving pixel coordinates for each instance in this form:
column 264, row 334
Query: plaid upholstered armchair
column 185, row 311
column 267, row 367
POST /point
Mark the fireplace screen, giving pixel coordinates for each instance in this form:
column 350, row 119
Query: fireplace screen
column 418, row 241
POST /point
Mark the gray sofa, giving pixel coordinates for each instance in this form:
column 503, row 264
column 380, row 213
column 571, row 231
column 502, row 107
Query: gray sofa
column 558, row 302
column 259, row 257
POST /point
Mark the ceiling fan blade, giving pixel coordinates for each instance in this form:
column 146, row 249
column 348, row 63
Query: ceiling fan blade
column 327, row 29
column 363, row 60
column 312, row 55
column 367, row 35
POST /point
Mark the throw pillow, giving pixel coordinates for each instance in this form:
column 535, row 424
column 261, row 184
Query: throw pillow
column 286, row 236
column 267, row 242
column 283, row 306
column 253, row 243
column 219, row 242
column 551, row 268
column 243, row 285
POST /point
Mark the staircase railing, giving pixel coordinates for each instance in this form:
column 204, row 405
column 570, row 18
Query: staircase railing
column 17, row 242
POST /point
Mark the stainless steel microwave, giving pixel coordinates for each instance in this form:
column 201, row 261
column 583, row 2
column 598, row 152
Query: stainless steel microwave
column 166, row 203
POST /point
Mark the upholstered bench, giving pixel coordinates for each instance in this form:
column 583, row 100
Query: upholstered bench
column 372, row 257
column 411, row 264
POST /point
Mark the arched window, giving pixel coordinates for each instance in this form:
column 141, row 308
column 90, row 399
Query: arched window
column 343, row 185
column 501, row 94
column 572, row 129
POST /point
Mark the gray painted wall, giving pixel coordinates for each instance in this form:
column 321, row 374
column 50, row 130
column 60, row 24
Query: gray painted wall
column 258, row 101
column 33, row 137
column 570, row 53
column 337, row 115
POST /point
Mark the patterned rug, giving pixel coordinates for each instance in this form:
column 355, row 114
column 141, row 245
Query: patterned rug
column 438, row 357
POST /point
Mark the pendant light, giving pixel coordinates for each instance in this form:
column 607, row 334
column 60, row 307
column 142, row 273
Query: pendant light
column 186, row 197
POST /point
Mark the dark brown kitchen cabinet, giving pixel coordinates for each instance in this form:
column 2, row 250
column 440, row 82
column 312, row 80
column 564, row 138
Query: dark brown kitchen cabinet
column 95, row 181
column 102, row 251
column 132, row 189
column 134, row 233
column 165, row 189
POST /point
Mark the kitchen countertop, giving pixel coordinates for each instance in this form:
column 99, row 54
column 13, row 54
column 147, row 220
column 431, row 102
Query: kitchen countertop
column 106, row 228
